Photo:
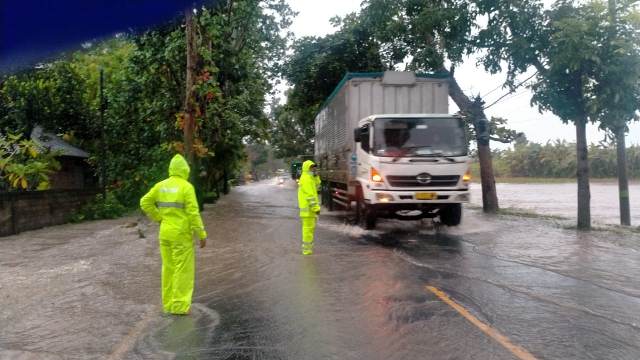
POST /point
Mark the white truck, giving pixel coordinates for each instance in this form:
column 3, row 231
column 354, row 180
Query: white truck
column 386, row 147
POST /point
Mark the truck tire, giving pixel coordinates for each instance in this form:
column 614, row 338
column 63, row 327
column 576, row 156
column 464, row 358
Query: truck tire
column 325, row 195
column 359, row 206
column 370, row 218
column 451, row 215
column 365, row 215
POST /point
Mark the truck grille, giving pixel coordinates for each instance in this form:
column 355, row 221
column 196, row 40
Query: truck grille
column 434, row 181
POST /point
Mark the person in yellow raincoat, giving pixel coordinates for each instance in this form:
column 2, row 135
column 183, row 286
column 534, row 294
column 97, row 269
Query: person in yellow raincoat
column 308, row 204
column 173, row 203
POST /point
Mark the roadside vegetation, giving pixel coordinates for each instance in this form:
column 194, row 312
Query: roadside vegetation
column 556, row 162
column 240, row 48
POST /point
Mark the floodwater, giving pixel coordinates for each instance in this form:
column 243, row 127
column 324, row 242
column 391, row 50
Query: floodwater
column 91, row 291
column 562, row 199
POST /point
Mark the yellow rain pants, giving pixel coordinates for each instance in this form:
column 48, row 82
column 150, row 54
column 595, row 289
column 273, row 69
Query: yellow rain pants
column 308, row 228
column 173, row 203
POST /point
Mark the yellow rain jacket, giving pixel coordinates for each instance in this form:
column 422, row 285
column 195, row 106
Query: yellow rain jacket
column 173, row 203
column 308, row 192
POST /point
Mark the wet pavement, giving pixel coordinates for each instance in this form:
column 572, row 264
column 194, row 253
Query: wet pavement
column 501, row 287
column 561, row 199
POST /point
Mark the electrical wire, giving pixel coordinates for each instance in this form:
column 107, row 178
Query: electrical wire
column 510, row 91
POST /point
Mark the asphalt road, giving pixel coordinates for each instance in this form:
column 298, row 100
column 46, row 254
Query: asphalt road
column 500, row 287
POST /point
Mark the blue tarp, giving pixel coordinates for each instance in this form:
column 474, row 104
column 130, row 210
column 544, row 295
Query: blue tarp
column 32, row 31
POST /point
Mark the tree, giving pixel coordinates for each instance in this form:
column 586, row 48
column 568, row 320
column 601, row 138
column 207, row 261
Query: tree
column 563, row 46
column 314, row 70
column 430, row 34
column 239, row 45
column 289, row 136
column 617, row 91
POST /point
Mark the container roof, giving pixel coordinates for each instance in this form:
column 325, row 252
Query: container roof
column 374, row 75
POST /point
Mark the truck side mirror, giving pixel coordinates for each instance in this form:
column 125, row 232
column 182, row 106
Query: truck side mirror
column 356, row 134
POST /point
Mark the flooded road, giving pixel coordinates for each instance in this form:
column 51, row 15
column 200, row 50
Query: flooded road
column 501, row 287
column 561, row 200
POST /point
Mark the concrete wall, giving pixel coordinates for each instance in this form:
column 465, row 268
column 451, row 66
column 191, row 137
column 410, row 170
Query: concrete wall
column 22, row 211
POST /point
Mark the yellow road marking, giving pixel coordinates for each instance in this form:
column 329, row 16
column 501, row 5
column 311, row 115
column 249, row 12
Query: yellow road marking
column 516, row 350
column 127, row 343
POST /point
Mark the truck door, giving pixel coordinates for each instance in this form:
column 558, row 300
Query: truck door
column 364, row 148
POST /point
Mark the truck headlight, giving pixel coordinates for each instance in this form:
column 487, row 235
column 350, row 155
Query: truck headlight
column 384, row 197
column 466, row 178
column 375, row 175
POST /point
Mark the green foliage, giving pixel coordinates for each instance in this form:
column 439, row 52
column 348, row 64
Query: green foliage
column 240, row 46
column 427, row 32
column 558, row 160
column 101, row 208
column 23, row 165
column 617, row 91
column 314, row 70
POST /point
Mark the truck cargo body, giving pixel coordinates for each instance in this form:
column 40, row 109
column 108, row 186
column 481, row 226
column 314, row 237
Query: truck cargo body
column 386, row 147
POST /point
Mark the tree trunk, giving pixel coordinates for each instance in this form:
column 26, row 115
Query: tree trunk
column 489, row 193
column 623, row 181
column 584, row 194
column 225, row 184
column 189, row 101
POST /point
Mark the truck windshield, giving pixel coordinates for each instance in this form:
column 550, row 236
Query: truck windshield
column 397, row 137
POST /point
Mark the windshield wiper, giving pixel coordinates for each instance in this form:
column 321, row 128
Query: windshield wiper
column 405, row 151
column 440, row 155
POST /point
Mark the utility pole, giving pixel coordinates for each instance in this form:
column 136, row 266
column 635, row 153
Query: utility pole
column 103, row 142
column 189, row 101
column 481, row 125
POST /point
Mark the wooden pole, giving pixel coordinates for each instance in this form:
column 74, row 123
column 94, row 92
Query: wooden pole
column 189, row 101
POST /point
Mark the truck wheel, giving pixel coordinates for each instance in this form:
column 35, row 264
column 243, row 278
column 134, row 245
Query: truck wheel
column 365, row 215
column 370, row 218
column 451, row 215
column 327, row 197
column 359, row 206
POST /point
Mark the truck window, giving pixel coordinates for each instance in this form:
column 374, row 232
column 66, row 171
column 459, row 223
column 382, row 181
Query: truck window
column 365, row 138
column 395, row 137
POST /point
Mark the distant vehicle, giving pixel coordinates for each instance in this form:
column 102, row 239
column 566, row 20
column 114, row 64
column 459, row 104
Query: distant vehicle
column 385, row 142
column 282, row 179
column 296, row 165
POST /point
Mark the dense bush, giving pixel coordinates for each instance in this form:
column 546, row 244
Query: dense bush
column 558, row 160
column 101, row 208
column 240, row 48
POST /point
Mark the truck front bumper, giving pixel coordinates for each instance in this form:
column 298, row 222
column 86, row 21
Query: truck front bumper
column 418, row 198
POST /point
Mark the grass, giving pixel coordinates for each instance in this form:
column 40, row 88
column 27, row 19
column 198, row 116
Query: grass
column 529, row 214
column 510, row 211
column 561, row 221
column 538, row 180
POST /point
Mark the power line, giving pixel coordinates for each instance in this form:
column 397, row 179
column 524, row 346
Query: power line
column 497, row 87
column 510, row 91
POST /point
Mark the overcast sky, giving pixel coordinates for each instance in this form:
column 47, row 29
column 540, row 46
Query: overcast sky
column 313, row 20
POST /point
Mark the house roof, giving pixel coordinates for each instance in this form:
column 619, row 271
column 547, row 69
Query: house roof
column 54, row 143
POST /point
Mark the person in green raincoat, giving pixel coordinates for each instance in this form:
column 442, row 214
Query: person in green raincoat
column 172, row 203
column 308, row 204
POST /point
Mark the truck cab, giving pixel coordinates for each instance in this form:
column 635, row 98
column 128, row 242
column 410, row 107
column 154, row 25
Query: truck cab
column 410, row 166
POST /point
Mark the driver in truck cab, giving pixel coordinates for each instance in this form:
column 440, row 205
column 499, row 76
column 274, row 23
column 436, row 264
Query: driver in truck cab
column 396, row 135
